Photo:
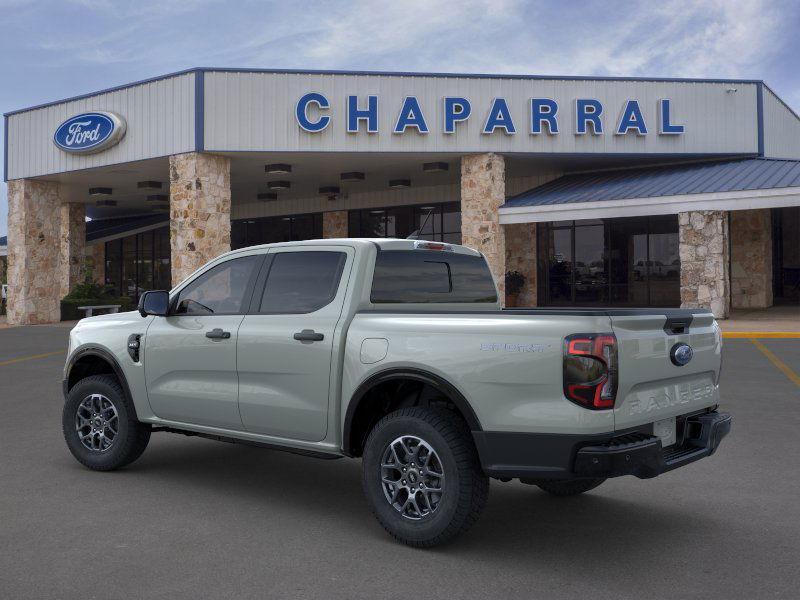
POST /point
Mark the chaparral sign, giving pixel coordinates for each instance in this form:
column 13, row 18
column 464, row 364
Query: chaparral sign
column 90, row 132
column 588, row 116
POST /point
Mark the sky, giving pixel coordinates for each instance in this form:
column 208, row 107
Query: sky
column 56, row 49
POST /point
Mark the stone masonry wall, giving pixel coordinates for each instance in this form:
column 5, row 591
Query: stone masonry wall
column 334, row 224
column 200, row 210
column 33, row 252
column 703, row 247
column 483, row 191
column 72, row 240
column 751, row 258
column 96, row 257
column 521, row 256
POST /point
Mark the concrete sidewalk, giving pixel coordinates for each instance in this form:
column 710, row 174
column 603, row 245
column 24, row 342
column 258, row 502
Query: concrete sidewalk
column 774, row 319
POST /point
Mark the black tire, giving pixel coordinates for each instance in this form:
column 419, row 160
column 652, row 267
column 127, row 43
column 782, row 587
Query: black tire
column 466, row 487
column 131, row 438
column 568, row 487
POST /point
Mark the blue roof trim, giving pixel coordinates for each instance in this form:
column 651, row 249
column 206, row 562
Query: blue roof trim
column 199, row 110
column 666, row 180
column 760, row 117
column 380, row 73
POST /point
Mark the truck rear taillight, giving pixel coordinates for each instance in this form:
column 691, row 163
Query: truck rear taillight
column 590, row 369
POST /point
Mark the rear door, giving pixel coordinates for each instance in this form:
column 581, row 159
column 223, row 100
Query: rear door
column 285, row 344
column 652, row 388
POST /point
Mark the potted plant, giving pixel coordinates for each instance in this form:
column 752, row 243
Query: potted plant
column 515, row 281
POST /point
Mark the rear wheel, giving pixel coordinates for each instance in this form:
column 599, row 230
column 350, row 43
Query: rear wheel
column 569, row 487
column 422, row 477
column 100, row 426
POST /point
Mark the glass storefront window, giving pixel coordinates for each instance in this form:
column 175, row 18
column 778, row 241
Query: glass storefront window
column 270, row 230
column 436, row 222
column 138, row 263
column 612, row 262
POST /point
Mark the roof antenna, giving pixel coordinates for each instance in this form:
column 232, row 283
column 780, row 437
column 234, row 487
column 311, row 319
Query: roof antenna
column 416, row 233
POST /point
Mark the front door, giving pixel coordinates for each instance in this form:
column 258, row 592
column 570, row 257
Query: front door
column 285, row 345
column 190, row 356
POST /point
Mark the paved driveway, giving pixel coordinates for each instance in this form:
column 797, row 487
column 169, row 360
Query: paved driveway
column 200, row 519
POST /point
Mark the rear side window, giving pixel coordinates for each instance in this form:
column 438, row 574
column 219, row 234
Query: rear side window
column 423, row 276
column 302, row 282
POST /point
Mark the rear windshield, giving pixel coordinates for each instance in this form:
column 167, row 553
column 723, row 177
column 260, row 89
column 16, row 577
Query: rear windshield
column 406, row 276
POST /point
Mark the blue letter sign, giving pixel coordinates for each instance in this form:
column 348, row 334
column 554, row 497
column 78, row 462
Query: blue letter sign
column 631, row 118
column 665, row 127
column 90, row 132
column 543, row 110
column 301, row 112
column 455, row 110
column 410, row 116
column 588, row 111
column 499, row 116
column 354, row 114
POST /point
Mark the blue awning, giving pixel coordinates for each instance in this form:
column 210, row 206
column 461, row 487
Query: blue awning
column 671, row 180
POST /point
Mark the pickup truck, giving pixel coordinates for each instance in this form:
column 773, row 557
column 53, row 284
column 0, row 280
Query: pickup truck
column 397, row 352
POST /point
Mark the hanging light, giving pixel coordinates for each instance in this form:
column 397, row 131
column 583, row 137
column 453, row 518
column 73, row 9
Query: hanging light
column 435, row 167
column 352, row 176
column 278, row 168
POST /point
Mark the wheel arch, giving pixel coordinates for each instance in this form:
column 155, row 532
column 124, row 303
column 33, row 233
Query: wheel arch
column 94, row 360
column 360, row 397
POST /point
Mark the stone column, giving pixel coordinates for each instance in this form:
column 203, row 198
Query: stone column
column 34, row 242
column 72, row 254
column 521, row 256
column 96, row 256
column 751, row 258
column 703, row 247
column 200, row 210
column 334, row 224
column 483, row 191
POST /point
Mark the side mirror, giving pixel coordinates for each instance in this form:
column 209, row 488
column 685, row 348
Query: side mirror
column 154, row 303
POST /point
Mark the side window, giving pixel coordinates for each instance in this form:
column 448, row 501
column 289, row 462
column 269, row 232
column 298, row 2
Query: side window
column 302, row 282
column 220, row 290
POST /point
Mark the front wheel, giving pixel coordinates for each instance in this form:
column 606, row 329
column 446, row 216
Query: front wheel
column 422, row 477
column 100, row 425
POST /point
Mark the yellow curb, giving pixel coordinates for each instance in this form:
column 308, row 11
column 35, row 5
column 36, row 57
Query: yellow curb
column 32, row 357
column 779, row 364
column 781, row 335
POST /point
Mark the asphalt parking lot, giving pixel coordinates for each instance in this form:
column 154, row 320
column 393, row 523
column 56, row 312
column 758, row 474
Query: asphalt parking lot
column 200, row 519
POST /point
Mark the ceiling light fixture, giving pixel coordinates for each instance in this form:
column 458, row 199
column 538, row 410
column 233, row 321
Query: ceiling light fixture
column 100, row 191
column 158, row 198
column 149, row 185
column 329, row 189
column 106, row 203
column 279, row 185
column 435, row 167
column 352, row 176
column 277, row 168
column 399, row 183
column 267, row 196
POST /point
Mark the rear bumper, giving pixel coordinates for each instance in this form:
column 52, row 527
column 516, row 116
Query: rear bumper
column 633, row 452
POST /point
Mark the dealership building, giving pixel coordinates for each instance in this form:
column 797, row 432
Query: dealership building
column 590, row 191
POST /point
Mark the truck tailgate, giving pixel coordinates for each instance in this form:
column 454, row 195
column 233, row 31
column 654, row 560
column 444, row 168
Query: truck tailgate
column 652, row 388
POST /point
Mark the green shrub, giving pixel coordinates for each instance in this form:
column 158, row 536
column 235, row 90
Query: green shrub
column 69, row 306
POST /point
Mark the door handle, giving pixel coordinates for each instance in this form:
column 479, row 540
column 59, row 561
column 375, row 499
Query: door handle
column 218, row 334
column 308, row 335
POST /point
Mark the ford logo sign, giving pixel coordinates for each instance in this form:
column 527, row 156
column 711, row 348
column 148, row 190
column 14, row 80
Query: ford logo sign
column 681, row 354
column 90, row 132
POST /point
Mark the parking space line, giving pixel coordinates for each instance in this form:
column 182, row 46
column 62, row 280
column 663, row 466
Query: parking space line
column 11, row 361
column 779, row 364
column 751, row 335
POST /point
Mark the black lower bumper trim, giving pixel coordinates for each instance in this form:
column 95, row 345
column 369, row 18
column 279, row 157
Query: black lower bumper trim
column 633, row 452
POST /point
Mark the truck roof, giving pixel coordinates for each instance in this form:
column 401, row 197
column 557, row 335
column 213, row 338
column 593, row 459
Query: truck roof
column 382, row 243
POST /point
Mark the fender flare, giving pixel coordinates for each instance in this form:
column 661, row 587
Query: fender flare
column 437, row 382
column 107, row 357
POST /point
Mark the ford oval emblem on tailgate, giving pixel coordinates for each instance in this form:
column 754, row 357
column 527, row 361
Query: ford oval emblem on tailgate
column 681, row 354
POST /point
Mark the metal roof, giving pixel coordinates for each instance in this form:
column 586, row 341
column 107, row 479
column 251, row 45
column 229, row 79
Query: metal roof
column 671, row 180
